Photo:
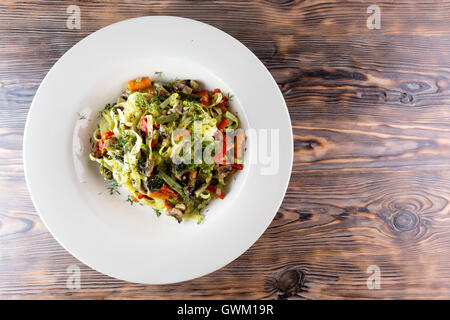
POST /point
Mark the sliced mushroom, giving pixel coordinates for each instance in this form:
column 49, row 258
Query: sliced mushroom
column 176, row 213
column 187, row 90
column 182, row 86
column 224, row 170
column 148, row 168
column 180, row 206
column 160, row 89
column 192, row 176
column 179, row 109
column 189, row 190
column 194, row 85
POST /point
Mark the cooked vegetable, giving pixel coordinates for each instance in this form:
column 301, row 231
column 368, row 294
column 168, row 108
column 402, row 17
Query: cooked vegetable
column 172, row 183
column 149, row 140
column 177, row 214
column 222, row 124
column 139, row 84
column 216, row 191
column 155, row 183
column 169, row 192
column 204, row 97
column 166, row 119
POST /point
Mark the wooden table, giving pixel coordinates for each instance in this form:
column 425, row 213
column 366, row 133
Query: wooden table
column 370, row 186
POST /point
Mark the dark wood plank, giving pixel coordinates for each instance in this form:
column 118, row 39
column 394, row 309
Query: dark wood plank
column 371, row 120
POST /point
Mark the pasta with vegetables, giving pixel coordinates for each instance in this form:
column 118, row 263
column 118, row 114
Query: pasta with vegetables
column 172, row 145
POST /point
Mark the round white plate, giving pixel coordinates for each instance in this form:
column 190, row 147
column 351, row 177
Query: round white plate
column 104, row 231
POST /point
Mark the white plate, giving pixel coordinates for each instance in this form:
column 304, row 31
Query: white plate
column 104, row 231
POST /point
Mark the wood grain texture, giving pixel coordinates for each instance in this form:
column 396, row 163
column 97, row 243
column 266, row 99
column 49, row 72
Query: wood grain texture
column 371, row 176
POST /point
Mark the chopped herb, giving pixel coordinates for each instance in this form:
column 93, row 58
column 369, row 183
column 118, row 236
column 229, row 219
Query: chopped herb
column 200, row 219
column 130, row 200
column 112, row 186
column 159, row 73
column 158, row 213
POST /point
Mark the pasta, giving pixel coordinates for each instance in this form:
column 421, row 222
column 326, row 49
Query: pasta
column 170, row 145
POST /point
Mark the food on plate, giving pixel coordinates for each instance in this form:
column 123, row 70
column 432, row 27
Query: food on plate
column 172, row 145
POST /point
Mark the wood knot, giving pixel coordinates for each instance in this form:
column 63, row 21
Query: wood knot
column 404, row 220
column 310, row 148
column 289, row 283
column 415, row 86
column 406, row 98
column 278, row 216
column 308, row 144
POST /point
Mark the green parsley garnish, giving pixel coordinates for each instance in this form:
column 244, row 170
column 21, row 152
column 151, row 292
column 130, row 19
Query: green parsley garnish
column 112, row 186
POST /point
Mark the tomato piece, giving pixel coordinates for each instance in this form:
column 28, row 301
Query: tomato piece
column 237, row 166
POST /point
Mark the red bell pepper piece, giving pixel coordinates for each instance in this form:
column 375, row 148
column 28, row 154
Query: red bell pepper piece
column 219, row 157
column 217, row 191
column 204, row 97
column 169, row 192
column 237, row 166
column 222, row 124
column 143, row 125
column 158, row 195
column 167, row 205
column 103, row 143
